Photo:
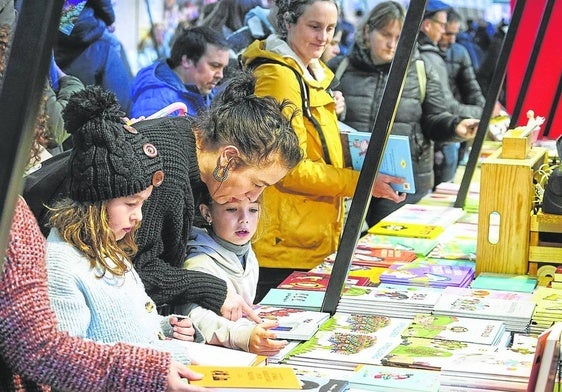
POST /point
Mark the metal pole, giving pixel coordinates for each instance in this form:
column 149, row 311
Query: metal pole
column 20, row 95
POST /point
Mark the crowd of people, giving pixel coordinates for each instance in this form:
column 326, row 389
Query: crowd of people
column 169, row 228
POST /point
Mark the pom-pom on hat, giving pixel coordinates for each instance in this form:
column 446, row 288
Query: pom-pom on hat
column 110, row 159
column 434, row 6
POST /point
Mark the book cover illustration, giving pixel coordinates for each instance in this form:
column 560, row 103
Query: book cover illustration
column 435, row 326
column 70, row 12
column 368, row 271
column 459, row 249
column 405, row 229
column 426, row 274
column 294, row 324
column 503, row 370
column 378, row 256
column 392, row 301
column 278, row 377
column 430, row 354
column 421, row 246
column 396, row 160
column 387, row 378
column 306, row 280
column 289, row 298
column 347, row 340
column 487, row 304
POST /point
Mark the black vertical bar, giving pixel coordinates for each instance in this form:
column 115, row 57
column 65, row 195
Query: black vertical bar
column 531, row 64
column 22, row 88
column 552, row 112
column 491, row 98
column 380, row 131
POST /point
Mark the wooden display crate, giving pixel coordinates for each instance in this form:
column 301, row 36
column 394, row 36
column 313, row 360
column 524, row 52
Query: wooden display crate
column 505, row 210
column 542, row 252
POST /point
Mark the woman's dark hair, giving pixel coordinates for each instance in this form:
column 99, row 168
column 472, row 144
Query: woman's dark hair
column 260, row 127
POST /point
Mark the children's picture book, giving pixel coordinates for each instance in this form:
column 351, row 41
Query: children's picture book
column 347, row 340
column 405, row 229
column 503, row 370
column 378, row 256
column 421, row 246
column 306, row 280
column 507, row 282
column 421, row 273
column 248, row 377
column 396, row 160
column 368, row 271
column 390, row 379
column 294, row 324
column 464, row 329
column 290, row 298
column 458, row 249
column 431, row 354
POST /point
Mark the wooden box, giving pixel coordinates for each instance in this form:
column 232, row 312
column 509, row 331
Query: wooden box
column 514, row 146
column 541, row 252
column 504, row 212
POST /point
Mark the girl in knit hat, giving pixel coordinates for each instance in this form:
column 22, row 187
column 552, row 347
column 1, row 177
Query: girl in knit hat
column 34, row 354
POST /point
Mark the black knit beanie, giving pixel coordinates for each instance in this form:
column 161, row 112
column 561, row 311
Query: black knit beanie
column 110, row 159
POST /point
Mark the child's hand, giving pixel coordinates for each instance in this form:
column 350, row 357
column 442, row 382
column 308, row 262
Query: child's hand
column 262, row 340
column 183, row 328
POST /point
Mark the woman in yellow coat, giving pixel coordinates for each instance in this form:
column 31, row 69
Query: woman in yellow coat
column 303, row 214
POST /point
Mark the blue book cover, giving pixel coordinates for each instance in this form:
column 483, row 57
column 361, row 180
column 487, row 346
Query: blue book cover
column 288, row 298
column 386, row 378
column 396, row 161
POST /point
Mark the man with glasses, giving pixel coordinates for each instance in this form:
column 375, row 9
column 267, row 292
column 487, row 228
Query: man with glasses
column 432, row 30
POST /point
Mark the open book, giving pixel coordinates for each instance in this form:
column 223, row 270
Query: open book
column 396, row 161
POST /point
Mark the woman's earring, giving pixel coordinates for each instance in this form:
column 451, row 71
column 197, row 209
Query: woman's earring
column 220, row 174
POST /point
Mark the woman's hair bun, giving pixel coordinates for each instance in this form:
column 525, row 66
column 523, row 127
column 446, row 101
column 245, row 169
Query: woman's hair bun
column 93, row 102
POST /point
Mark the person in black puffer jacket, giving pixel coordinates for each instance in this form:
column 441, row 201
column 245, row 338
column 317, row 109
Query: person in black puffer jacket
column 421, row 115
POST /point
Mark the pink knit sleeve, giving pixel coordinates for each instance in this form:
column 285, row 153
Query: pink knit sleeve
column 30, row 343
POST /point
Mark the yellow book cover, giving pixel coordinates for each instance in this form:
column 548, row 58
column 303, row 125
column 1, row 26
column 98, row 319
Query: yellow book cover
column 250, row 377
column 404, row 229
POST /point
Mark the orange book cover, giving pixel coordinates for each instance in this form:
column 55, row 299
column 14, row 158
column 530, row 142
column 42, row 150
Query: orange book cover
column 250, row 377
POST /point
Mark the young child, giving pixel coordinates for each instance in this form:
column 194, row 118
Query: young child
column 224, row 248
column 94, row 289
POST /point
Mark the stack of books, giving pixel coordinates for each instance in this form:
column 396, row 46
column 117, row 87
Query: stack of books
column 371, row 272
column 420, row 246
column 294, row 324
column 390, row 379
column 423, row 273
column 391, row 301
column 430, row 340
column 504, row 282
column 548, row 308
column 546, row 362
column 503, row 370
column 307, row 280
column 347, row 340
column 513, row 308
column 462, row 329
column 379, row 256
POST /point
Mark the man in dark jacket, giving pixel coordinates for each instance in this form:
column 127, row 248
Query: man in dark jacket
column 433, row 27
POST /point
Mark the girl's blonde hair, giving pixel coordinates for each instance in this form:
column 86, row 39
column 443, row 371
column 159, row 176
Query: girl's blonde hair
column 85, row 225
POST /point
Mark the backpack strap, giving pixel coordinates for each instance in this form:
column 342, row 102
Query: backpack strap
column 342, row 66
column 304, row 97
column 422, row 77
